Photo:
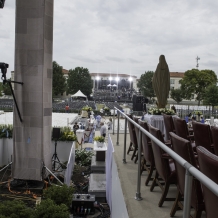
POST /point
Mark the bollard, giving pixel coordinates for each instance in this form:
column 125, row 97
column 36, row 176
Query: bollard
column 118, row 126
column 124, row 149
column 138, row 193
column 187, row 194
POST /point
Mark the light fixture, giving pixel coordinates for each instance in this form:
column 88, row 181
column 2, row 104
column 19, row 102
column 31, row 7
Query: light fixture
column 117, row 78
column 2, row 2
column 97, row 78
column 130, row 79
column 110, row 78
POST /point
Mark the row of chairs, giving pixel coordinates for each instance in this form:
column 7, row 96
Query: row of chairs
column 168, row 171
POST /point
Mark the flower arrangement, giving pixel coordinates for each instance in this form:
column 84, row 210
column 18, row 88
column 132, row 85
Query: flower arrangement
column 106, row 109
column 87, row 108
column 99, row 139
column 160, row 111
column 66, row 134
column 198, row 113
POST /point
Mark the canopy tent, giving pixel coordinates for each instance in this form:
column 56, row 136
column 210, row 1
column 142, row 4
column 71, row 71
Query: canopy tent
column 79, row 94
column 114, row 85
column 109, row 85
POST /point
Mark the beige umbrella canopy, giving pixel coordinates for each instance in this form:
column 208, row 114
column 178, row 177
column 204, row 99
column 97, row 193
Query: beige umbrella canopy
column 161, row 82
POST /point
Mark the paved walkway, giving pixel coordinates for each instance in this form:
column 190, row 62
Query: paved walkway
column 148, row 207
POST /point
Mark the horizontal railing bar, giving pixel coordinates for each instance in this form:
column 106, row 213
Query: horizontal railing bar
column 195, row 172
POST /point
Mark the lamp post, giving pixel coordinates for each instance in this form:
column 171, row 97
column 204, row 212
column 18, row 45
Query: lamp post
column 117, row 79
column 97, row 78
column 110, row 78
column 130, row 80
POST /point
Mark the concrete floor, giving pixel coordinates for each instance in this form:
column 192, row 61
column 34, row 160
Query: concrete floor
column 148, row 206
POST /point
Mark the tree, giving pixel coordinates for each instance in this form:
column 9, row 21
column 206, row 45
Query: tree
column 1, row 88
column 145, row 84
column 6, row 88
column 196, row 81
column 176, row 95
column 59, row 81
column 79, row 79
column 211, row 96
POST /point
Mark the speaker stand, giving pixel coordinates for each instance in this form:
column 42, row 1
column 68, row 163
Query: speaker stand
column 46, row 168
column 6, row 167
column 56, row 161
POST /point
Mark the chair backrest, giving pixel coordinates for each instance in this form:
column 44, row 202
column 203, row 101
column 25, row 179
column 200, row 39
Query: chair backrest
column 181, row 127
column 132, row 132
column 161, row 164
column 146, row 144
column 184, row 149
column 202, row 135
column 214, row 133
column 208, row 163
column 169, row 125
column 136, row 129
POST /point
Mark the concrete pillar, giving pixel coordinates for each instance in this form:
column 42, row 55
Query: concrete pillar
column 33, row 67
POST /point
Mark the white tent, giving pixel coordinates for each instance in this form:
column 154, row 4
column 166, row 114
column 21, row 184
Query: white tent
column 79, row 94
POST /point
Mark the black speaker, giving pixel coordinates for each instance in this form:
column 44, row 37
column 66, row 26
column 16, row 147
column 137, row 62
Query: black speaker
column 138, row 101
column 56, row 133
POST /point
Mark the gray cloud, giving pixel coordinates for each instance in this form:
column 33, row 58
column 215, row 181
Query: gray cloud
column 126, row 36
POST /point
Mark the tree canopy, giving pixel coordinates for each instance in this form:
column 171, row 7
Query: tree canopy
column 211, row 96
column 145, row 84
column 79, row 79
column 176, row 95
column 59, row 81
column 196, row 81
column 6, row 88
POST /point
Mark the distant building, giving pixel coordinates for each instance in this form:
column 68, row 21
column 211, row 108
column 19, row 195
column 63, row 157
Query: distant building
column 116, row 81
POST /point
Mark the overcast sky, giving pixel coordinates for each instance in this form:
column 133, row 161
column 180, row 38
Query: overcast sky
column 126, row 36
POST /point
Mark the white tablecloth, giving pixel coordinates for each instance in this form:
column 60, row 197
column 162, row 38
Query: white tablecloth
column 156, row 121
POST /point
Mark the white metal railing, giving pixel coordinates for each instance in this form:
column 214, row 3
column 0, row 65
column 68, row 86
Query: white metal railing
column 190, row 170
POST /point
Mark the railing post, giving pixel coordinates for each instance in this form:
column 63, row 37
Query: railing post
column 113, row 120
column 118, row 126
column 187, row 194
column 124, row 149
column 138, row 193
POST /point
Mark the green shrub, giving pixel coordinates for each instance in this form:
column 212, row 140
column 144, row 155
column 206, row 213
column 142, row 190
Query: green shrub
column 99, row 139
column 6, row 131
column 15, row 209
column 47, row 208
column 59, row 194
column 83, row 157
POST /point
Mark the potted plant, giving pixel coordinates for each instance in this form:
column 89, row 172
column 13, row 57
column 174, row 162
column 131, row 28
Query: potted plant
column 106, row 110
column 100, row 141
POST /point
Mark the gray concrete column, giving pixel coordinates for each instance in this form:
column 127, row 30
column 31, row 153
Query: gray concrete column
column 33, row 67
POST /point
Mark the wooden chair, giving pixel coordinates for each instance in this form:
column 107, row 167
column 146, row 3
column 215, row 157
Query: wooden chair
column 169, row 125
column 184, row 149
column 148, row 163
column 214, row 134
column 208, row 163
column 165, row 167
column 136, row 119
column 133, row 140
column 203, row 136
column 181, row 129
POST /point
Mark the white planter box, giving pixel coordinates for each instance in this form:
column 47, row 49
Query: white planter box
column 63, row 150
column 84, row 114
column 6, row 150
